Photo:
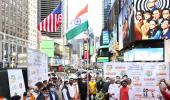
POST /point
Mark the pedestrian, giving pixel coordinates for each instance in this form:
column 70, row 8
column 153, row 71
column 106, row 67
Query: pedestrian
column 76, row 90
column 59, row 89
column 24, row 97
column 71, row 88
column 164, row 88
column 92, row 89
column 45, row 83
column 113, row 90
column 117, row 81
column 124, row 77
column 83, row 89
column 124, row 91
column 131, row 90
column 52, row 93
column 100, row 84
column 65, row 91
column 39, row 91
column 106, row 88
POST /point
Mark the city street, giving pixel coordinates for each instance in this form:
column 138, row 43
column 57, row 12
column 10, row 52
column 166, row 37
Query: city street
column 85, row 50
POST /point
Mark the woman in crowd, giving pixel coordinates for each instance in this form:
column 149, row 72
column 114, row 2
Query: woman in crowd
column 138, row 25
column 154, row 32
column 145, row 26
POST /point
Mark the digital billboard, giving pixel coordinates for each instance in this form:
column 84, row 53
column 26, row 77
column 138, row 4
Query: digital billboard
column 105, row 37
column 152, row 19
column 143, row 20
column 125, row 23
column 144, row 54
column 120, row 31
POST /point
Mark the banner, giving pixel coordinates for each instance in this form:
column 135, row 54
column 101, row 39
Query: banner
column 16, row 82
column 145, row 76
column 37, row 67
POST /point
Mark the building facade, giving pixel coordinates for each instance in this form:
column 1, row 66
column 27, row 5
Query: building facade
column 32, row 24
column 106, row 7
column 13, row 28
column 45, row 7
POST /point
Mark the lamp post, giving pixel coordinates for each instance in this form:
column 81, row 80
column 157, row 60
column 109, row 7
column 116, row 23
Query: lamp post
column 4, row 50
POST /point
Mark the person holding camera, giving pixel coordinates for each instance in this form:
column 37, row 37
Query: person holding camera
column 164, row 88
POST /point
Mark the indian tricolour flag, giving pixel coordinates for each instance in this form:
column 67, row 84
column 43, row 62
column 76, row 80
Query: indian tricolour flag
column 80, row 24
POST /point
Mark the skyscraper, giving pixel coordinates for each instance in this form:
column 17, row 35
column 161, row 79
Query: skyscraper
column 45, row 7
column 32, row 24
column 13, row 28
column 106, row 8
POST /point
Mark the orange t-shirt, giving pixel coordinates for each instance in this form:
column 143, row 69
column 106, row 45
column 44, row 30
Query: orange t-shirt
column 124, row 93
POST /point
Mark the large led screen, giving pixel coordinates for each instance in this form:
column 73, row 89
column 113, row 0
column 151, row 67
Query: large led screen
column 152, row 19
column 120, row 31
column 144, row 54
column 125, row 23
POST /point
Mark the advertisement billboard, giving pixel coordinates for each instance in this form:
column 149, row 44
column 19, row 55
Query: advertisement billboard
column 149, row 54
column 126, row 23
column 120, row 31
column 143, row 20
column 144, row 54
column 105, row 37
column 152, row 19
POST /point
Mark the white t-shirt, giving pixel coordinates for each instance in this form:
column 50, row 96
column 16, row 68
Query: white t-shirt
column 113, row 89
column 131, row 93
column 64, row 91
column 71, row 90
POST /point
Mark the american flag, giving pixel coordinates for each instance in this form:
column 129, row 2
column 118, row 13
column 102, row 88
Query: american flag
column 52, row 21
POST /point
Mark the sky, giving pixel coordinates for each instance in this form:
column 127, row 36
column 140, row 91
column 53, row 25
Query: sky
column 94, row 13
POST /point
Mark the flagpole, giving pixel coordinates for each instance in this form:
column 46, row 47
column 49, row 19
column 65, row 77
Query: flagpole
column 63, row 35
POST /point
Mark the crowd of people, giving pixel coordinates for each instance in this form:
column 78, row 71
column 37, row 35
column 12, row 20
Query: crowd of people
column 88, row 88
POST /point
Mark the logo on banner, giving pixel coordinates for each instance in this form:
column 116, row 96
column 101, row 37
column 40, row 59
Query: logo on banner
column 162, row 67
column 122, row 73
column 148, row 73
column 136, row 78
column 109, row 67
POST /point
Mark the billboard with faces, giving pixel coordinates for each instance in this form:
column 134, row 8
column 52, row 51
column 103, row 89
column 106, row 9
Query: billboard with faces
column 151, row 19
column 143, row 20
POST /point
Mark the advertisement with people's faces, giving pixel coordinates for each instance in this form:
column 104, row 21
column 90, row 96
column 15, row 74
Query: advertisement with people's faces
column 125, row 23
column 152, row 19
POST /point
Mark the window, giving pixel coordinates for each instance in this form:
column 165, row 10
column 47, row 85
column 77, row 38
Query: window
column 6, row 32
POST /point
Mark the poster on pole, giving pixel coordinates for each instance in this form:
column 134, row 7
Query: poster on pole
column 145, row 76
column 16, row 82
column 37, row 67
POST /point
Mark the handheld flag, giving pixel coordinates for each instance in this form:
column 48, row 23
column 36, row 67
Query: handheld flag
column 52, row 21
column 80, row 24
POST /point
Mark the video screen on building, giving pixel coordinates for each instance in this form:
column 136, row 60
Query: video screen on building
column 105, row 34
column 126, row 23
column 151, row 19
